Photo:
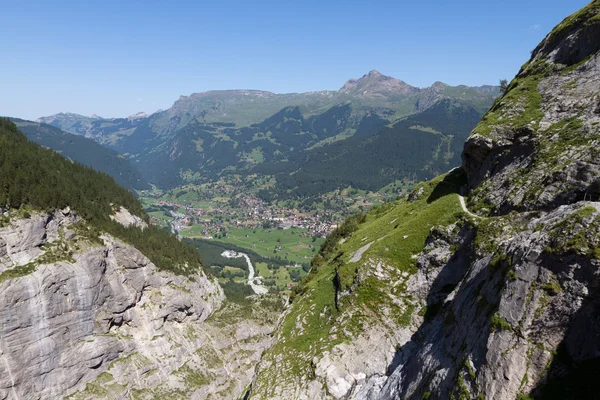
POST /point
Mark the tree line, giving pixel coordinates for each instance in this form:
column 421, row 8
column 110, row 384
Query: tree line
column 31, row 176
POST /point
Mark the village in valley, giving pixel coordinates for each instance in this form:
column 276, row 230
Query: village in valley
column 249, row 211
column 229, row 212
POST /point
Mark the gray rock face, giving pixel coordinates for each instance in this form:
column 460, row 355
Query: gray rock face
column 496, row 333
column 536, row 148
column 65, row 322
column 22, row 241
column 127, row 219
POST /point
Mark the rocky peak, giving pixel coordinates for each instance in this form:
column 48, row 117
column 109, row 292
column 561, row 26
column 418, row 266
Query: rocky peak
column 375, row 81
column 139, row 115
column 439, row 85
column 375, row 73
column 532, row 150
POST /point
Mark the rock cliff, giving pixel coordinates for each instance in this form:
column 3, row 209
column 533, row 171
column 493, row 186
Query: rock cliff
column 535, row 149
column 70, row 307
column 427, row 299
column 94, row 318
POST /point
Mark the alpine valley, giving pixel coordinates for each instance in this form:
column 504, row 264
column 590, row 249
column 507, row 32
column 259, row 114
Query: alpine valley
column 229, row 167
column 378, row 242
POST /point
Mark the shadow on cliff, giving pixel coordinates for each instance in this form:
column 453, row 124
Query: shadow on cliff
column 575, row 368
column 453, row 327
column 453, row 330
column 451, row 184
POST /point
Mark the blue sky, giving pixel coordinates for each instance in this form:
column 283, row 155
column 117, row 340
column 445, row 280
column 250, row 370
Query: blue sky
column 115, row 58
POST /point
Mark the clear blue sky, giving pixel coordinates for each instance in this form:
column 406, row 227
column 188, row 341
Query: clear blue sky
column 115, row 58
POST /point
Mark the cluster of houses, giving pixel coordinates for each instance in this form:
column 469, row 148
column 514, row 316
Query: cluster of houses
column 249, row 211
column 315, row 226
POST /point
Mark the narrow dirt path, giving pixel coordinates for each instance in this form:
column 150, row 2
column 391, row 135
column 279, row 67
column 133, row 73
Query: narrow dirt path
column 464, row 207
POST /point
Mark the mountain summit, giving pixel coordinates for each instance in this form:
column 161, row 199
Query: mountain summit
column 374, row 82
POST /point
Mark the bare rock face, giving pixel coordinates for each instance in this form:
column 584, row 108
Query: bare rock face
column 127, row 219
column 535, row 149
column 72, row 310
column 22, row 241
column 496, row 334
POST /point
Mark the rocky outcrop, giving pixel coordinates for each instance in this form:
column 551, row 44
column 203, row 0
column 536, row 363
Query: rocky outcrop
column 496, row 334
column 502, row 302
column 22, row 241
column 127, row 219
column 72, row 309
column 534, row 149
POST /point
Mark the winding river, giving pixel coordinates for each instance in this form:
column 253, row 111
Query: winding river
column 258, row 289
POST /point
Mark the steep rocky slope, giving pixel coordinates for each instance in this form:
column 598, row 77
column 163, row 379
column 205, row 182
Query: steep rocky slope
column 423, row 300
column 82, row 305
column 535, row 148
column 98, row 320
column 85, row 314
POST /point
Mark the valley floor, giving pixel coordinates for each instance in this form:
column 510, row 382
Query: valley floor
column 280, row 237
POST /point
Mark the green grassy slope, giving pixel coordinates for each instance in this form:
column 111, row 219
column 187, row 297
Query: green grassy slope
column 394, row 233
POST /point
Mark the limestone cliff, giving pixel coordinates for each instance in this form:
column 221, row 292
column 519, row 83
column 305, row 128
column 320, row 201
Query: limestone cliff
column 69, row 307
column 428, row 299
column 94, row 318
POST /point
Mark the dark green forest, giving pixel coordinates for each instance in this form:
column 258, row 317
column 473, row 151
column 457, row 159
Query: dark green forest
column 85, row 151
column 31, row 176
column 416, row 148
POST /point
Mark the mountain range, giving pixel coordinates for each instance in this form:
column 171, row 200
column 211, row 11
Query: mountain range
column 244, row 131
